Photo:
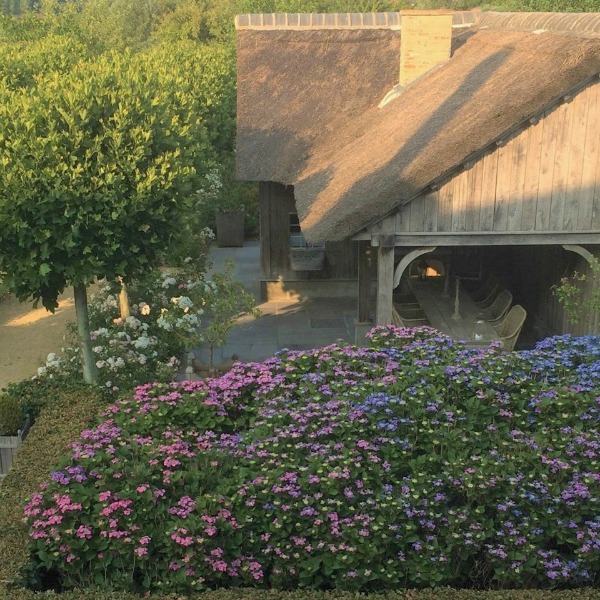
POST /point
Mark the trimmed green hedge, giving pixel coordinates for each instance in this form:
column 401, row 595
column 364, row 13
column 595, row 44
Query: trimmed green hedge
column 59, row 423
column 247, row 594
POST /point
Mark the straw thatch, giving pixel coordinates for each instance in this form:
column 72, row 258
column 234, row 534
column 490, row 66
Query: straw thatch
column 308, row 112
column 296, row 86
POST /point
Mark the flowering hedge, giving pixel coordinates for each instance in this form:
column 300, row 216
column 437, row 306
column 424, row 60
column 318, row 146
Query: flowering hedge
column 413, row 463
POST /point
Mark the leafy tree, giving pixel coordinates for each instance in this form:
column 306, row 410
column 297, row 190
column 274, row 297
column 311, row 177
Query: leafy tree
column 26, row 28
column 117, row 24
column 94, row 167
column 23, row 63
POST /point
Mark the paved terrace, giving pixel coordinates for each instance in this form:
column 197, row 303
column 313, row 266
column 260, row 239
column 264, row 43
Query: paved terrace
column 298, row 324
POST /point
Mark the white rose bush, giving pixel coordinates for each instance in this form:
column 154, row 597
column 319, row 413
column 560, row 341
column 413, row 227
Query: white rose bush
column 168, row 317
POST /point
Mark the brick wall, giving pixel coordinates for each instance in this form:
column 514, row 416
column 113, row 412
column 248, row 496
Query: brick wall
column 424, row 42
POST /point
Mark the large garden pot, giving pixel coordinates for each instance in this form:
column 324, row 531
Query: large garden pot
column 230, row 228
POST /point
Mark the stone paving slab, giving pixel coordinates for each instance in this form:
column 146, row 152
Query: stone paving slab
column 292, row 324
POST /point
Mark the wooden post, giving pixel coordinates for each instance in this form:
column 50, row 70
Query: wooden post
column 364, row 282
column 385, row 284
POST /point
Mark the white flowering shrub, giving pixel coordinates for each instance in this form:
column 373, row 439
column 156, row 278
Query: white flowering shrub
column 171, row 311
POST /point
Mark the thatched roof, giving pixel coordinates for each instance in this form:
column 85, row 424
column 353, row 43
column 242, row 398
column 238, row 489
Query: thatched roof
column 308, row 116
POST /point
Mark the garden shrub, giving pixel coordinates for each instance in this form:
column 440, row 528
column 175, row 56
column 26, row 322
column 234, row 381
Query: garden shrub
column 36, row 393
column 60, row 421
column 166, row 308
column 11, row 417
column 414, row 463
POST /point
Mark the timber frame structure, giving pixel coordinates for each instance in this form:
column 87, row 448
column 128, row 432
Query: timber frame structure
column 494, row 146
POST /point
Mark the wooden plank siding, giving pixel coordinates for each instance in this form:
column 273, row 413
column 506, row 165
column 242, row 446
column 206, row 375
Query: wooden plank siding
column 545, row 178
column 9, row 445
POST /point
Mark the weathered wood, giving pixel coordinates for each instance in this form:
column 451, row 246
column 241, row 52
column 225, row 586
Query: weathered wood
column 545, row 178
column 584, row 252
column 579, row 116
column 546, row 174
column 364, row 281
column 264, row 220
column 445, row 198
column 503, row 186
column 532, row 170
column 590, row 170
column 281, row 206
column 385, row 285
column 459, row 203
column 417, row 214
column 431, row 211
column 500, row 238
column 488, row 191
column 473, row 201
column 403, row 218
column 277, row 205
column 517, row 182
column 406, row 260
column 563, row 117
column 596, row 201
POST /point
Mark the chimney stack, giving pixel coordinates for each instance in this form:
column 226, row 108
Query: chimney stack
column 425, row 41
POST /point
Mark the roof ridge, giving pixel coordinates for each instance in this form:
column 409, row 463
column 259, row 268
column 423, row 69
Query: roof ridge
column 368, row 20
column 582, row 24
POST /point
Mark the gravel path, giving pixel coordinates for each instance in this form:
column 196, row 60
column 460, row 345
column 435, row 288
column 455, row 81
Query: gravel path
column 27, row 335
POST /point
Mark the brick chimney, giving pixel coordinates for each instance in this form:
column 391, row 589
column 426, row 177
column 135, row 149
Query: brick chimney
column 425, row 39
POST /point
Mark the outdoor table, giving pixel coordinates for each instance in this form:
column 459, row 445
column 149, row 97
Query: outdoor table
column 440, row 309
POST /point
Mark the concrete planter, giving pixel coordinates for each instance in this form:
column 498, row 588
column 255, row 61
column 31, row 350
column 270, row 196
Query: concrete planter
column 230, row 228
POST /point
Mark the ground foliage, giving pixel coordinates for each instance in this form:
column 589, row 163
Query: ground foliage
column 413, row 463
column 250, row 594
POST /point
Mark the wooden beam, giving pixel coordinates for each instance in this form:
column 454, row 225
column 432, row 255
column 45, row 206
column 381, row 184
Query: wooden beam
column 385, row 284
column 589, row 257
column 493, row 238
column 406, row 260
column 364, row 281
column 264, row 220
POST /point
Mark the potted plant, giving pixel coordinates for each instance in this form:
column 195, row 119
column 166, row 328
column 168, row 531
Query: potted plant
column 230, row 226
column 222, row 194
column 14, row 427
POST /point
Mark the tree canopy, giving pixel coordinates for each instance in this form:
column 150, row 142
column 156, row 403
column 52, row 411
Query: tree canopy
column 97, row 161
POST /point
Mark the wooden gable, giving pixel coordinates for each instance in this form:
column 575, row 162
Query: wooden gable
column 542, row 185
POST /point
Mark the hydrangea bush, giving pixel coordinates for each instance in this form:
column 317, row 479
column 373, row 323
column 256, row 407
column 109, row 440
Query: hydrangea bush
column 415, row 462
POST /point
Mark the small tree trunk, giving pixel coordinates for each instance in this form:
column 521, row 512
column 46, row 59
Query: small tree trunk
column 83, row 329
column 124, row 300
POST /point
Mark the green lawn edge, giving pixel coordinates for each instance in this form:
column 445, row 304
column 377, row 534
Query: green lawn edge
column 257, row 594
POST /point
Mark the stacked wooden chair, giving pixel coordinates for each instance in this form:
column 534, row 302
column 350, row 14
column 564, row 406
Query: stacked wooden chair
column 510, row 326
column 497, row 310
column 408, row 316
column 486, row 294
